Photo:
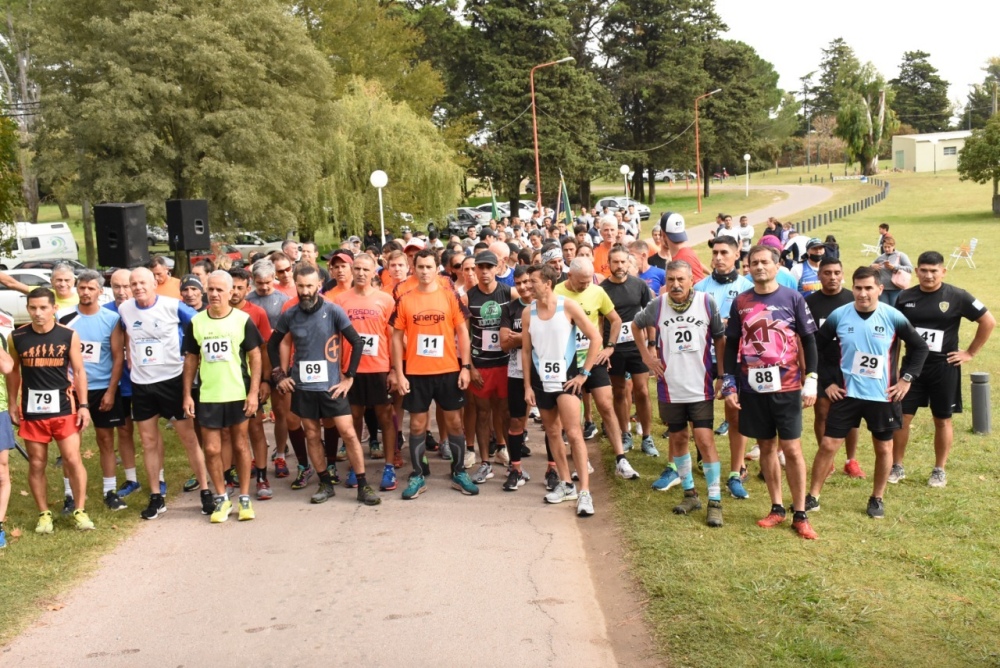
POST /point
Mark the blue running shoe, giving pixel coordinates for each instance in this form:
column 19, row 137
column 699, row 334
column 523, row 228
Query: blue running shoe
column 415, row 487
column 163, row 488
column 722, row 429
column 388, row 478
column 130, row 487
column 3, row 540
column 648, row 447
column 736, row 488
column 667, row 479
column 352, row 480
column 463, row 483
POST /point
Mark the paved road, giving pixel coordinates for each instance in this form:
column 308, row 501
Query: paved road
column 799, row 198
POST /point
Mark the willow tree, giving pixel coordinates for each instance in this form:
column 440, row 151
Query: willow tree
column 865, row 118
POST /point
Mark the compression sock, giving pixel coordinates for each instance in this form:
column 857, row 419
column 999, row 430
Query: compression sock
column 713, row 471
column 456, row 444
column 683, row 465
column 514, row 443
column 330, row 435
column 371, row 421
column 298, row 439
column 418, row 448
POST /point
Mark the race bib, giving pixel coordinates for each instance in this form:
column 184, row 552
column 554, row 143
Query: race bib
column 685, row 341
column 765, row 379
column 491, row 341
column 43, row 402
column 626, row 334
column 582, row 342
column 514, row 368
column 932, row 337
column 90, row 350
column 553, row 374
column 217, row 350
column 430, row 346
column 150, row 352
column 867, row 366
column 370, row 345
column 313, row 372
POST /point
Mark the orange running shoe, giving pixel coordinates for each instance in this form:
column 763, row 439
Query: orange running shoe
column 772, row 520
column 804, row 530
column 853, row 469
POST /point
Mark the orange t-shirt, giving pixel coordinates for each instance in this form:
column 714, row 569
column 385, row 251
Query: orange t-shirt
column 370, row 317
column 170, row 288
column 290, row 290
column 335, row 291
column 652, row 248
column 601, row 253
column 430, row 321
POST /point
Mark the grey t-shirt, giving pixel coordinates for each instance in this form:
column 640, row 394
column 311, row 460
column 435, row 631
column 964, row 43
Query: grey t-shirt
column 316, row 337
column 271, row 304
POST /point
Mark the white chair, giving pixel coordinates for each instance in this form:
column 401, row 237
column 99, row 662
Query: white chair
column 965, row 252
column 869, row 249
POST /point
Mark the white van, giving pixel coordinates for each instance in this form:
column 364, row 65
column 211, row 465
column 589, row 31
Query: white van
column 41, row 241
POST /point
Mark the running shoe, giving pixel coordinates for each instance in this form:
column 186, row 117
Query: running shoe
column 938, row 478
column 69, row 505
column 280, row 467
column 130, row 487
column 324, row 492
column 246, row 509
column 627, row 441
column 264, row 490
column 534, row 414
column 397, row 461
column 483, row 473
column 722, row 429
column 502, row 456
column 689, row 503
column 551, row 479
column 415, row 487
column 44, row 522
column 584, row 505
column 804, row 529
column 112, row 501
column 564, row 491
column 648, row 447
column 576, row 476
column 772, row 520
column 375, row 449
column 155, row 508
column 342, row 452
column 514, row 480
column 163, row 488
column 896, row 474
column 812, row 503
column 223, row 509
column 667, row 480
column 425, row 468
column 781, row 458
column 876, row 508
column 388, row 478
column 207, row 502
column 352, row 480
column 462, row 483
column 589, row 430
column 744, row 473
column 714, row 518
column 302, row 479
column 445, row 453
column 470, row 458
column 853, row 469
column 431, row 443
column 232, row 477
column 754, row 454
column 493, row 445
column 736, row 488
column 625, row 471
column 3, row 540
column 525, row 450
column 367, row 496
column 334, row 476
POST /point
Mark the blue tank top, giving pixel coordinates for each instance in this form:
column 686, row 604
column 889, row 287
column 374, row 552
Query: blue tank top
column 126, row 382
column 95, row 343
column 869, row 350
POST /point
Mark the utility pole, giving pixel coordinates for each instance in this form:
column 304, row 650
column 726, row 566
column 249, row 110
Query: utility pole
column 805, row 111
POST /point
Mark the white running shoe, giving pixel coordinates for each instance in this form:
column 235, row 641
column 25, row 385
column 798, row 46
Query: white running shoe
column 624, row 470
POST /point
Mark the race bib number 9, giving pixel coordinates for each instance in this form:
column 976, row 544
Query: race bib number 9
column 491, row 341
column 43, row 402
column 867, row 366
column 217, row 350
column 313, row 372
column 430, row 346
column 932, row 337
column 370, row 345
column 150, row 352
column 90, row 351
column 765, row 379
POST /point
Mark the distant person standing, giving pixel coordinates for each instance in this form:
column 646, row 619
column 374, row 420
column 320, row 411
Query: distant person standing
column 891, row 265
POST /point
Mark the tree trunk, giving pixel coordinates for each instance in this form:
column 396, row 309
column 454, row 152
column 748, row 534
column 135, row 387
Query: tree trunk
column 996, row 196
column 583, row 188
column 88, row 234
column 63, row 209
column 651, row 173
column 638, row 184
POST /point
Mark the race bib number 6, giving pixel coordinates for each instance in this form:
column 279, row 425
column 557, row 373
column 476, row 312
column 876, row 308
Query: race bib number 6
column 765, row 379
column 150, row 352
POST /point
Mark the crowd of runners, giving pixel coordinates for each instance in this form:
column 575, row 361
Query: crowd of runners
column 519, row 321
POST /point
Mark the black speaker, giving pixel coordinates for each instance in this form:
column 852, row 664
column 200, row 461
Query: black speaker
column 187, row 224
column 121, row 235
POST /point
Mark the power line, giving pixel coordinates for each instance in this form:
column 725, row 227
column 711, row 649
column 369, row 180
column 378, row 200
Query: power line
column 627, row 150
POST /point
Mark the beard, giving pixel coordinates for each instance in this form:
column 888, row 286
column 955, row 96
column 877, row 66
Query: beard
column 309, row 304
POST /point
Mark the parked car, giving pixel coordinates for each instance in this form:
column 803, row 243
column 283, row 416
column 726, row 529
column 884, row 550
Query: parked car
column 615, row 203
column 233, row 253
column 503, row 208
column 34, row 241
column 480, row 217
column 156, row 236
column 16, row 303
column 50, row 265
column 255, row 242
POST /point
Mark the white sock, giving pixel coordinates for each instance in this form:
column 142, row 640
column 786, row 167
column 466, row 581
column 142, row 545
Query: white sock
column 161, row 475
column 130, row 475
column 109, row 484
column 67, row 488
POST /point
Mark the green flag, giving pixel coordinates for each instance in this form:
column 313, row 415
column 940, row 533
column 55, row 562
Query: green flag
column 565, row 198
column 494, row 213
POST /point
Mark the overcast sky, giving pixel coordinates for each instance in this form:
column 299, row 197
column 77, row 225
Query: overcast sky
column 960, row 35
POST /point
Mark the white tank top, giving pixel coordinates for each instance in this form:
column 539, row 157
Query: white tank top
column 686, row 350
column 553, row 346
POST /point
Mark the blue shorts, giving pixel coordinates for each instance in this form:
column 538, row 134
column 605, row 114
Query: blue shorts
column 7, row 441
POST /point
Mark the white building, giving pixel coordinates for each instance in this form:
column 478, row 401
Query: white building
column 937, row 151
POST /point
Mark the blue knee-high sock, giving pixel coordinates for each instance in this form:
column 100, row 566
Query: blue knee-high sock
column 683, row 464
column 713, row 471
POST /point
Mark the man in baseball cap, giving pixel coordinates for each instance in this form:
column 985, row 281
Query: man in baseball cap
column 673, row 228
column 806, row 272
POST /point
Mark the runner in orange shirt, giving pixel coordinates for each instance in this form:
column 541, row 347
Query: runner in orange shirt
column 340, row 261
column 283, row 282
column 431, row 336
column 609, row 230
column 395, row 272
column 369, row 310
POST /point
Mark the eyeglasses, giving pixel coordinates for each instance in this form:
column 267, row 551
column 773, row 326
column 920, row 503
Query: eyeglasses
column 456, row 267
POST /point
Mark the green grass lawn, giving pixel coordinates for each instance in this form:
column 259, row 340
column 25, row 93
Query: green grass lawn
column 918, row 588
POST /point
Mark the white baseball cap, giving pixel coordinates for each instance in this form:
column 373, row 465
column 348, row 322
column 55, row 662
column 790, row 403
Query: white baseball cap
column 672, row 225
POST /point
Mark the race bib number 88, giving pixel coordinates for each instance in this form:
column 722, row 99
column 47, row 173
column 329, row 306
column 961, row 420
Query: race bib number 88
column 765, row 379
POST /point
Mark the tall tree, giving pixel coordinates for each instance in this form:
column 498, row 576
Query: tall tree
column 866, row 119
column 10, row 182
column 921, row 94
column 21, row 93
column 837, row 70
column 980, row 103
column 979, row 159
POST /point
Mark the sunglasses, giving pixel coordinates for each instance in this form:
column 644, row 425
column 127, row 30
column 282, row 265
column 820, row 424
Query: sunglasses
column 282, row 271
column 456, row 267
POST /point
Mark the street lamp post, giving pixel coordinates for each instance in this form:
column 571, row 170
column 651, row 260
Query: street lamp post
column 534, row 126
column 697, row 144
column 379, row 179
column 746, row 159
column 624, row 170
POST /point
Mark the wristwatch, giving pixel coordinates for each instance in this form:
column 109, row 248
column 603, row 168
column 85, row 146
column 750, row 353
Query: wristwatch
column 907, row 377
column 87, row 406
column 467, row 366
column 584, row 373
column 348, row 374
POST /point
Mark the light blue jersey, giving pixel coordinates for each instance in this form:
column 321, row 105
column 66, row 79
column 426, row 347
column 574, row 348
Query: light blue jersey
column 869, row 349
column 724, row 293
column 95, row 343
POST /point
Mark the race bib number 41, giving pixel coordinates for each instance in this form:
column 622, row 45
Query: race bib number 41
column 932, row 337
column 765, row 379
